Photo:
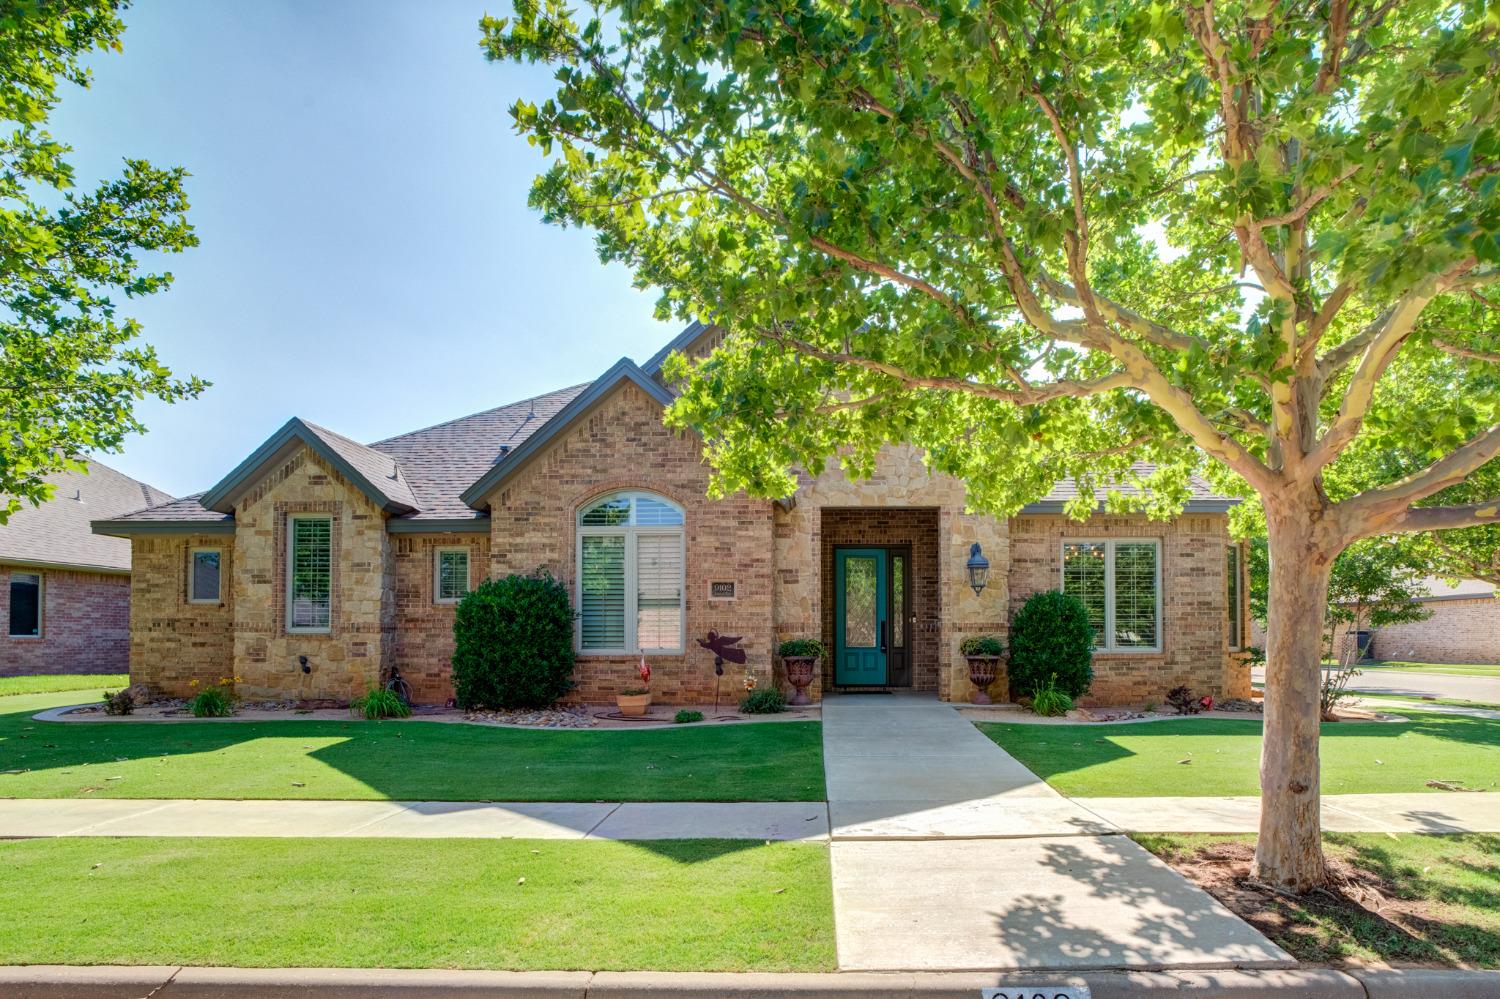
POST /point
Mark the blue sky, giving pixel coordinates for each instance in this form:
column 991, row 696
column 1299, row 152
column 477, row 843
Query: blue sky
column 367, row 258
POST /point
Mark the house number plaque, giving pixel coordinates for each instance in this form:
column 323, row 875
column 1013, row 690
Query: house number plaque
column 721, row 591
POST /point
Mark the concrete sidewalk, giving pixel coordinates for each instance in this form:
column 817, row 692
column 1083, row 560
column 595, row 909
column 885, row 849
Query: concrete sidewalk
column 1437, row 812
column 766, row 820
column 61, row 982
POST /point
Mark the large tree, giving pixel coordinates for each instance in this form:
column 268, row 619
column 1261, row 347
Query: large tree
column 1043, row 239
column 71, row 367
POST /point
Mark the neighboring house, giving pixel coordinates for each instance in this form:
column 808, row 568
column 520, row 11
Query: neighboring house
column 318, row 564
column 64, row 590
column 1463, row 627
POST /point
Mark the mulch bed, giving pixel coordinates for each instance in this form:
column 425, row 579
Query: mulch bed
column 1319, row 926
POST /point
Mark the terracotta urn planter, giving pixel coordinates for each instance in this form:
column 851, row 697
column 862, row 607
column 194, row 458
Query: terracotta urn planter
column 982, row 672
column 800, row 671
column 633, row 705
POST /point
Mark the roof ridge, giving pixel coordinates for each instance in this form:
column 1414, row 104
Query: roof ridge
column 482, row 412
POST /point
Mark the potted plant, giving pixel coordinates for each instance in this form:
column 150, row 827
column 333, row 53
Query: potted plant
column 800, row 656
column 633, row 701
column 983, row 653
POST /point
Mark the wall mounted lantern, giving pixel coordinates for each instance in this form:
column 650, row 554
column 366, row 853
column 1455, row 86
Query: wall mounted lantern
column 979, row 568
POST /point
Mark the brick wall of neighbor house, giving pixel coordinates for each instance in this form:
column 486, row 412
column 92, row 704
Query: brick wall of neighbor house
column 424, row 628
column 621, row 444
column 1194, row 598
column 173, row 642
column 900, row 481
column 85, row 624
column 1459, row 631
column 350, row 657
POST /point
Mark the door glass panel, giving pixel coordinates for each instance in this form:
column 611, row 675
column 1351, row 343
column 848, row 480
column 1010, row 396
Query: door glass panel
column 859, row 602
column 898, row 601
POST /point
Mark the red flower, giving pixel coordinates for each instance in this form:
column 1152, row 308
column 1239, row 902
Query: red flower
column 644, row 671
column 1207, row 702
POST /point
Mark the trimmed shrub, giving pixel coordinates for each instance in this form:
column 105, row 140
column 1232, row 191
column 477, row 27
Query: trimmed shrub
column 379, row 702
column 513, row 644
column 1051, row 636
column 765, row 701
column 981, row 645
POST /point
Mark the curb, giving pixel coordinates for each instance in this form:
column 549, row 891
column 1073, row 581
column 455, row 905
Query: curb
column 156, row 982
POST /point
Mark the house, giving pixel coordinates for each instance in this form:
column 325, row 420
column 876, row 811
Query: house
column 1462, row 626
column 319, row 563
column 64, row 590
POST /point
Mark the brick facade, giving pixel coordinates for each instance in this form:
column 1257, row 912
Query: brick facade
column 85, row 624
column 622, row 445
column 424, row 627
column 174, row 642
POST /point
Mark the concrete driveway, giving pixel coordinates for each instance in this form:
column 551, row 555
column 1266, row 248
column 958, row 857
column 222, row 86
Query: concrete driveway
column 950, row 855
column 1374, row 680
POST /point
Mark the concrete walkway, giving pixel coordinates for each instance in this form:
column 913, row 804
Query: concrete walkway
column 766, row 820
column 948, row 855
column 1438, row 812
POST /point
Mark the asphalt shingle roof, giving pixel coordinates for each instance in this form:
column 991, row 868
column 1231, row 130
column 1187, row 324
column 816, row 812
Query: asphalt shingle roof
column 57, row 532
column 1067, row 489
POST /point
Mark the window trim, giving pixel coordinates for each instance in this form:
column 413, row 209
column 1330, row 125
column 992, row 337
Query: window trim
column 1236, row 615
column 291, row 540
column 41, row 605
column 437, row 573
column 192, row 577
column 1110, row 648
column 632, row 583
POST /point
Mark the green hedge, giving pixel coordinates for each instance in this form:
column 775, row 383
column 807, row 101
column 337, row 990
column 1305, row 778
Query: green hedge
column 1051, row 636
column 513, row 643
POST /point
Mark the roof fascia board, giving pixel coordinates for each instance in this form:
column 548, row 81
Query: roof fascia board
column 1223, row 505
column 103, row 570
column 622, row 370
column 234, row 485
column 129, row 528
column 681, row 341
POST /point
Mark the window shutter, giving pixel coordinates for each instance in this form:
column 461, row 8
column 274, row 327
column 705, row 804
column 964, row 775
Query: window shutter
column 602, row 592
column 658, row 570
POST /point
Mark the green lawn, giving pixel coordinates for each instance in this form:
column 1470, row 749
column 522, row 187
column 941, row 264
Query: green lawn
column 1145, row 758
column 1466, row 669
column 1438, row 898
column 410, row 760
column 92, row 684
column 679, row 905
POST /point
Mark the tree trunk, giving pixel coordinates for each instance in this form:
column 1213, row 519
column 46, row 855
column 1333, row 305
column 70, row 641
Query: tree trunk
column 1289, row 852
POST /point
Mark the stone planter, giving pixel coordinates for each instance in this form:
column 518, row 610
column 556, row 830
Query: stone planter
column 800, row 671
column 982, row 672
column 633, row 705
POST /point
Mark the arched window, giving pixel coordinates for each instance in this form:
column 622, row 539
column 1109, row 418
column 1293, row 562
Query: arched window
column 630, row 575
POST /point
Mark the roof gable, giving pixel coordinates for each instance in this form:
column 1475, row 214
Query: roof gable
column 681, row 341
column 621, row 371
column 375, row 474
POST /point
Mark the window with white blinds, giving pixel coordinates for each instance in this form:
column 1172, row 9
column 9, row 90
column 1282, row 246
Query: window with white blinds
column 630, row 575
column 309, row 574
column 1120, row 584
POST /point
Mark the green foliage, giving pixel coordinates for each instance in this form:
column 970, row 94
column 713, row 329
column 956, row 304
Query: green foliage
column 981, row 645
column 795, row 647
column 685, row 716
column 379, row 702
column 513, row 643
column 1049, row 701
column 121, row 702
column 763, row 701
column 71, row 367
column 212, row 702
column 1051, row 637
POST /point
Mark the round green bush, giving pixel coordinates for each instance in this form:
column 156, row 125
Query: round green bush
column 513, row 644
column 981, row 645
column 1051, row 636
column 795, row 647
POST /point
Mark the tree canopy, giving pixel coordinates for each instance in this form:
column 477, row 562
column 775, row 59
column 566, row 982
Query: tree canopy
column 72, row 367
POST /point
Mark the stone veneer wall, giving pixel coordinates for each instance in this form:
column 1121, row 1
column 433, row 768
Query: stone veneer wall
column 424, row 628
column 913, row 527
column 174, row 643
column 899, row 480
column 85, row 624
column 1194, row 601
column 350, row 657
column 621, row 444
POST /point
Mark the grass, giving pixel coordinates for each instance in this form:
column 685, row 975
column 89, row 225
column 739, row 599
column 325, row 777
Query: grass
column 50, row 683
column 1445, row 669
column 404, row 760
column 679, row 905
column 1145, row 759
column 1407, row 900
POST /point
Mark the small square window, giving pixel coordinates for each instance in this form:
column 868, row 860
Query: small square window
column 451, row 567
column 203, row 576
column 25, row 605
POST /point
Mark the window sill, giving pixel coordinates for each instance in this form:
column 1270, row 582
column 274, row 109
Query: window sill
column 1128, row 653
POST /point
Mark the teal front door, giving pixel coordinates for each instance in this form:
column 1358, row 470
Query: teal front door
column 859, row 623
